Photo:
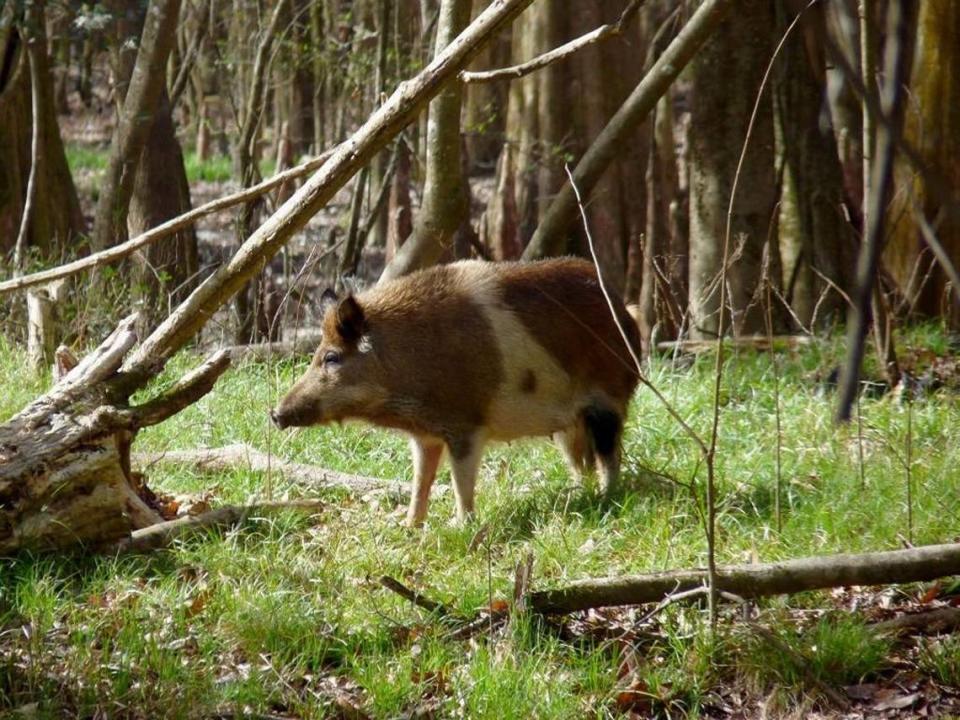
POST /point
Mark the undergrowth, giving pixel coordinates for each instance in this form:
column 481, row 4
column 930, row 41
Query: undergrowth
column 283, row 612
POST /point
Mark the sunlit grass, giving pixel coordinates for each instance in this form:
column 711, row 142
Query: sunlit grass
column 259, row 616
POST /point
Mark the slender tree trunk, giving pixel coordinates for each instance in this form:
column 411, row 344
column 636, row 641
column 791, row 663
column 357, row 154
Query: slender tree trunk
column 444, row 196
column 136, row 118
column 167, row 271
column 726, row 77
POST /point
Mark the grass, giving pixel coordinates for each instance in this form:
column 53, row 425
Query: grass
column 217, row 169
column 267, row 617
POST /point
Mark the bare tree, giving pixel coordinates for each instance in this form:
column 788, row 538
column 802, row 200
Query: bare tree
column 445, row 203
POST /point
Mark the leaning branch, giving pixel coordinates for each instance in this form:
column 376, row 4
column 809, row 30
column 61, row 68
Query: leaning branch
column 118, row 252
column 551, row 56
column 760, row 580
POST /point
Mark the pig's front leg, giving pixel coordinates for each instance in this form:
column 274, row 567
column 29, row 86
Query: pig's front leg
column 465, row 454
column 426, row 459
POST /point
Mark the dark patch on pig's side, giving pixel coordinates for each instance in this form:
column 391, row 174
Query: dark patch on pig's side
column 528, row 384
column 560, row 303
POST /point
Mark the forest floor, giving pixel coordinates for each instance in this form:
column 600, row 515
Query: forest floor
column 283, row 616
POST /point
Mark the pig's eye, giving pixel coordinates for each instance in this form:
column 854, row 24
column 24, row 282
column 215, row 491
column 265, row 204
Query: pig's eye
column 331, row 358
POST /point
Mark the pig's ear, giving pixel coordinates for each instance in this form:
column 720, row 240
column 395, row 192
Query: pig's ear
column 328, row 300
column 351, row 322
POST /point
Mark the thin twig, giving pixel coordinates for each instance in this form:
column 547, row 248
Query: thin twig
column 32, row 50
column 559, row 53
column 623, row 334
column 718, row 369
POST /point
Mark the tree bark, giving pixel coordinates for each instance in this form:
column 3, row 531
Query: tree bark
column 726, row 77
column 137, row 114
column 760, row 580
column 445, row 204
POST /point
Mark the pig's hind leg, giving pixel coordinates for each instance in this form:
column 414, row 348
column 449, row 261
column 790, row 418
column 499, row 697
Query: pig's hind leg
column 427, row 453
column 465, row 455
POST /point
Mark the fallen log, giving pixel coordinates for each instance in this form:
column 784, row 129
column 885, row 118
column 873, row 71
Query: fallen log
column 745, row 342
column 938, row 620
column 244, row 457
column 760, row 580
column 165, row 533
column 302, row 345
column 65, row 459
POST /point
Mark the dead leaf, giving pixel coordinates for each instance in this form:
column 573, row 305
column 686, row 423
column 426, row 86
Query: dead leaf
column 499, row 606
column 199, row 602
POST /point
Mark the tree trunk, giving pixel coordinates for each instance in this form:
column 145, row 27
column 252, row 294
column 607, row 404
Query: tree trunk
column 817, row 241
column 140, row 103
column 726, row 77
column 932, row 125
column 167, row 270
column 445, row 204
column 56, row 218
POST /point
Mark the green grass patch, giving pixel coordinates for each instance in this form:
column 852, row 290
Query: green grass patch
column 264, row 617
column 86, row 157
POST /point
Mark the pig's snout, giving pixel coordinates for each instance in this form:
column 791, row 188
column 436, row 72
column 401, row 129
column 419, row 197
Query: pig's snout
column 278, row 419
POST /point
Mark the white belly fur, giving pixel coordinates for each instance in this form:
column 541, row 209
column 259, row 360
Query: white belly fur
column 553, row 403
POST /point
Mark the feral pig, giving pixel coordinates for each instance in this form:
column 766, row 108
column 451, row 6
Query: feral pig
column 462, row 354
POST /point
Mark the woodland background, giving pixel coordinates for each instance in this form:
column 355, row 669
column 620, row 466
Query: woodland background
column 782, row 172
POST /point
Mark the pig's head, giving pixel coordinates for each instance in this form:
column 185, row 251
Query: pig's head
column 341, row 382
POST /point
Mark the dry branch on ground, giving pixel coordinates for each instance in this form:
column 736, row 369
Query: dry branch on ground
column 760, row 580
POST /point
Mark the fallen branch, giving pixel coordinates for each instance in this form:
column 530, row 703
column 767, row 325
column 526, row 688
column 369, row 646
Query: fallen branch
column 165, row 533
column 118, row 252
column 416, row 598
column 944, row 619
column 244, row 457
column 551, row 56
column 757, row 580
column 748, row 342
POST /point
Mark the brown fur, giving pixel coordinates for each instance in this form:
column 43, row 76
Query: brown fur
column 461, row 354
